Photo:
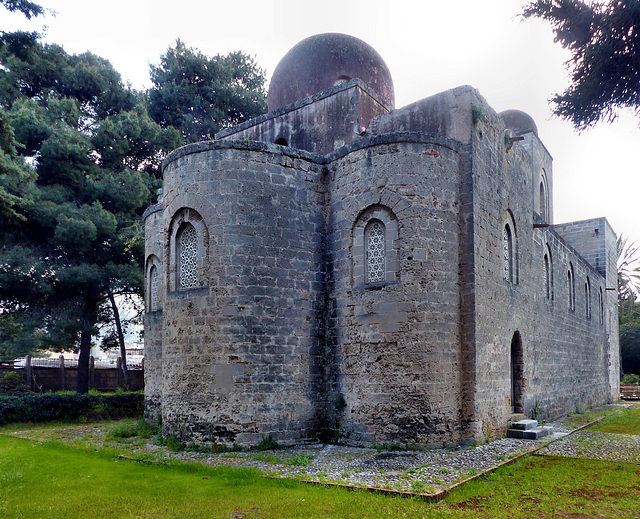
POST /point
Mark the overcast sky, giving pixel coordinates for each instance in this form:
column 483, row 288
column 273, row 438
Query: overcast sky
column 429, row 46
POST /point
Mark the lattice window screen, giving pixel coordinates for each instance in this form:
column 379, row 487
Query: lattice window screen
column 188, row 257
column 153, row 303
column 376, row 252
column 508, row 254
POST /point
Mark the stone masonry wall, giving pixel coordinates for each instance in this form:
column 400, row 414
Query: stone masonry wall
column 596, row 241
column 320, row 123
column 569, row 349
column 154, row 248
column 587, row 238
column 238, row 352
column 397, row 342
column 564, row 353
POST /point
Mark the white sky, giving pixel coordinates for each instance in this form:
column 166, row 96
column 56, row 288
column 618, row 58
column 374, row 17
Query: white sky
column 429, row 46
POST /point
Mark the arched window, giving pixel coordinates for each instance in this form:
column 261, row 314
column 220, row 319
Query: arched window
column 587, row 298
column 153, row 282
column 375, row 250
column 507, row 245
column 543, row 199
column 547, row 278
column 153, row 290
column 374, row 247
column 188, row 247
column 571, row 288
column 187, row 257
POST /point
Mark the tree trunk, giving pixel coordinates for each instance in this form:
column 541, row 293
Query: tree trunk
column 123, row 350
column 83, row 361
column 89, row 318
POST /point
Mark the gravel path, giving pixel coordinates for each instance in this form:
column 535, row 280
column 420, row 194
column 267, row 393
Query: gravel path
column 427, row 471
column 601, row 446
column 409, row 471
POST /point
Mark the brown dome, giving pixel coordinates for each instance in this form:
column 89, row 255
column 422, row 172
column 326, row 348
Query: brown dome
column 324, row 60
column 519, row 121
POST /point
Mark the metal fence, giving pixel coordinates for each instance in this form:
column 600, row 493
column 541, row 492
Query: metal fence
column 53, row 374
column 52, row 362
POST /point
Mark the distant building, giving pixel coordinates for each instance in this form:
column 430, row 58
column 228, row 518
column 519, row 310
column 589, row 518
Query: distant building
column 343, row 270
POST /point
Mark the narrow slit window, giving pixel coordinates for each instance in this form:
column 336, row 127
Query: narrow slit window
column 547, row 278
column 375, row 252
column 543, row 202
column 601, row 306
column 507, row 243
column 571, row 287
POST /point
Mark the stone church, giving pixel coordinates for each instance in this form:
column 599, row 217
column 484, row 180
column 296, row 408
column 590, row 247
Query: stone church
column 341, row 270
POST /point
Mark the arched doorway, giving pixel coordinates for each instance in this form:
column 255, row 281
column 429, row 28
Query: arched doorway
column 517, row 369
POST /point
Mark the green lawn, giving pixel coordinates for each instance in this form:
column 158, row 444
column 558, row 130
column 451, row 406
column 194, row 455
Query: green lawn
column 623, row 421
column 52, row 480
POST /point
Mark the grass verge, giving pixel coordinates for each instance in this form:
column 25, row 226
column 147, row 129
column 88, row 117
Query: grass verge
column 53, row 480
column 622, row 421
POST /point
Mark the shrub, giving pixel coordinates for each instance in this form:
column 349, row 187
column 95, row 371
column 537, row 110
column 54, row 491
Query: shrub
column 172, row 442
column 268, row 443
column 10, row 382
column 122, row 431
column 42, row 408
column 303, row 460
column 141, row 429
column 630, row 378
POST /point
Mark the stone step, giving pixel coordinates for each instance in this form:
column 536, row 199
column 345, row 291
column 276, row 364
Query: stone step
column 524, row 424
column 534, row 433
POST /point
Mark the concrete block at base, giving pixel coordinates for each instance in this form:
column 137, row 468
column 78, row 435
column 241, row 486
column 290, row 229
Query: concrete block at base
column 524, row 424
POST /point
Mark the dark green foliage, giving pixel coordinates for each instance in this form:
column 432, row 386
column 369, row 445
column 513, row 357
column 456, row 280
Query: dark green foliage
column 389, row 447
column 78, row 234
column 171, row 442
column 200, row 95
column 125, row 404
column 628, row 266
column 29, row 9
column 268, row 443
column 16, row 177
column 630, row 378
column 43, row 408
column 80, row 159
column 630, row 340
column 11, row 382
column 604, row 41
column 18, row 42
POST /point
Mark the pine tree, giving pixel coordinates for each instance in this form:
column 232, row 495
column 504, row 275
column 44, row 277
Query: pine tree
column 604, row 41
column 200, row 95
column 96, row 155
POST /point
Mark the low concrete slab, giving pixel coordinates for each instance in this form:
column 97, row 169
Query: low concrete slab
column 524, row 425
